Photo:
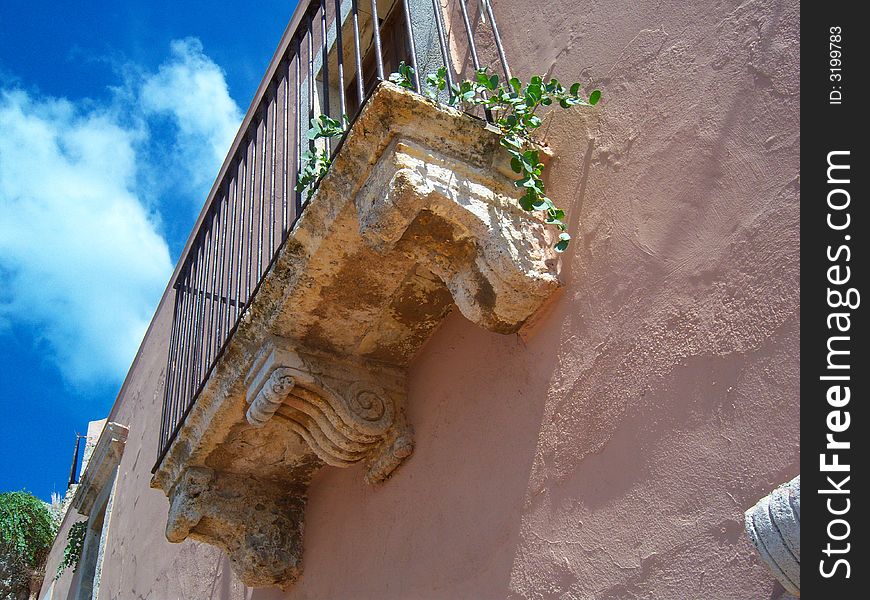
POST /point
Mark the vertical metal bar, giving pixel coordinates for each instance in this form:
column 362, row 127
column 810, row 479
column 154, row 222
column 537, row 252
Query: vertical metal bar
column 310, row 79
column 339, row 43
column 75, row 461
column 203, row 286
column 187, row 346
column 233, row 184
column 357, row 56
column 241, row 196
column 212, row 261
column 324, row 68
column 284, row 157
column 172, row 365
column 250, row 243
column 234, row 258
column 181, row 360
column 198, row 331
column 498, row 45
column 413, row 45
column 376, row 36
column 188, row 336
column 487, row 112
column 442, row 41
column 194, row 324
column 470, row 35
column 261, row 239
column 191, row 337
column 171, row 368
column 274, row 104
column 222, row 299
column 297, row 133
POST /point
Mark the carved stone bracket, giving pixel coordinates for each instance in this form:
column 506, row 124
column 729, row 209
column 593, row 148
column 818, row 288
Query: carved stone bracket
column 417, row 216
column 257, row 523
column 336, row 406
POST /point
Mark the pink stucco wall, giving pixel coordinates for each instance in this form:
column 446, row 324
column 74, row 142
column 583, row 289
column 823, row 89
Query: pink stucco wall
column 612, row 453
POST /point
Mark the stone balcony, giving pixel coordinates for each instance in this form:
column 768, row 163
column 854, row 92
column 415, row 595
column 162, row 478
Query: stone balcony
column 416, row 216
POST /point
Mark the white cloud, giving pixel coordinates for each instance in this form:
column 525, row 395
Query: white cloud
column 191, row 91
column 82, row 260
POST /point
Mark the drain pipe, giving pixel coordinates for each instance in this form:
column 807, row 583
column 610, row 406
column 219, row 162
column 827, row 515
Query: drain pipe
column 774, row 527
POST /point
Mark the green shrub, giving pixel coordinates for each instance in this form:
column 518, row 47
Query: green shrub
column 26, row 534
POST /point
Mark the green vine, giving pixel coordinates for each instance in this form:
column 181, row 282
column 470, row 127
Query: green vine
column 26, row 534
column 72, row 553
column 316, row 163
column 512, row 107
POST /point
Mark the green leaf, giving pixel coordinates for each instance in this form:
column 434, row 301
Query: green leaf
column 511, row 141
column 562, row 244
column 533, row 94
column 516, row 165
column 594, row 97
column 404, row 77
column 575, row 89
column 527, row 201
column 515, row 84
column 542, row 204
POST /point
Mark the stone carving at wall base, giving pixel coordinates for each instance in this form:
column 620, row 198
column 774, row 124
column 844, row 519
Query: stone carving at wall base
column 774, row 528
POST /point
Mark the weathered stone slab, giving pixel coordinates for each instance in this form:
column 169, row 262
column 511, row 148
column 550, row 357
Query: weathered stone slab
column 103, row 459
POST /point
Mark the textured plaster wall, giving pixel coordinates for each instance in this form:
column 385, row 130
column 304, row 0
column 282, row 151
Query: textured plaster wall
column 612, row 453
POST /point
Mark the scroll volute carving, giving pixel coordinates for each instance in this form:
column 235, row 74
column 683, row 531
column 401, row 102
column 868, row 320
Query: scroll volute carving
column 336, row 406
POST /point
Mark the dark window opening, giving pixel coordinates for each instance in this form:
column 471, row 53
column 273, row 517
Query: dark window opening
column 395, row 48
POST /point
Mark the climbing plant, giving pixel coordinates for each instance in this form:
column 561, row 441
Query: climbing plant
column 512, row 107
column 72, row 553
column 26, row 534
column 316, row 162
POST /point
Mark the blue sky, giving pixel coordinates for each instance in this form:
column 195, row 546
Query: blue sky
column 114, row 118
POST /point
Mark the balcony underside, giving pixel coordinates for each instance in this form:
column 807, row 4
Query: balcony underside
column 416, row 215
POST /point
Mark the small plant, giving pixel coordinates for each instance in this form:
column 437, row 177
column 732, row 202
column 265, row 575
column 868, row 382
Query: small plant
column 404, row 77
column 72, row 553
column 512, row 107
column 316, row 163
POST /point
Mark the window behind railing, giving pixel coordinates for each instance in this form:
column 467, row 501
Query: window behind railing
column 253, row 204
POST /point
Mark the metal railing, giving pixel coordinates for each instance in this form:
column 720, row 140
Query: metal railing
column 253, row 204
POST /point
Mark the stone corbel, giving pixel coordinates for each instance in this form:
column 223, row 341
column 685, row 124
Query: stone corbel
column 347, row 411
column 256, row 522
column 416, row 216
